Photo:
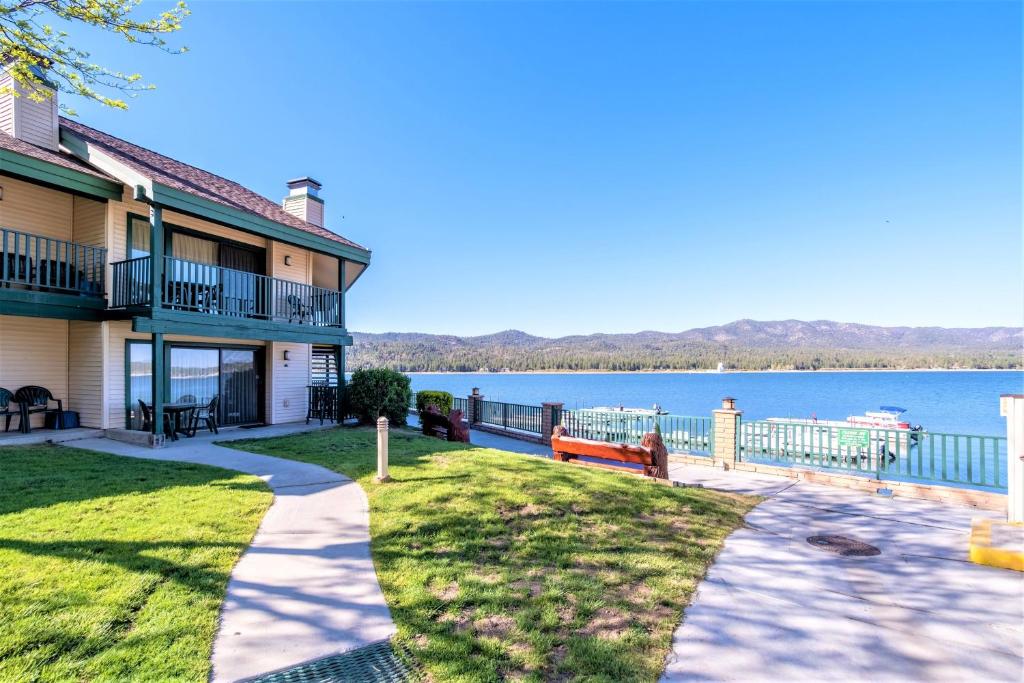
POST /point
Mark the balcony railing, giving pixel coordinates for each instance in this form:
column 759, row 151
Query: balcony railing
column 42, row 263
column 213, row 290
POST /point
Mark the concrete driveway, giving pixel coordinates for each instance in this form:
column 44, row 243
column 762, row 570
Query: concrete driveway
column 775, row 608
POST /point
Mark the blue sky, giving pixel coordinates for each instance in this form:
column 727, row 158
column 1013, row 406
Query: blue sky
column 583, row 167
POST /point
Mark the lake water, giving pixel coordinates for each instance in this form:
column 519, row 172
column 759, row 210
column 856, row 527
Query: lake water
column 962, row 402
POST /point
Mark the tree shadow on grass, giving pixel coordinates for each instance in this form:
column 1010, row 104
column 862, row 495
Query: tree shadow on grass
column 43, row 475
column 137, row 556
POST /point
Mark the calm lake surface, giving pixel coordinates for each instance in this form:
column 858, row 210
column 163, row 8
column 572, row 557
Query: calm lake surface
column 962, row 402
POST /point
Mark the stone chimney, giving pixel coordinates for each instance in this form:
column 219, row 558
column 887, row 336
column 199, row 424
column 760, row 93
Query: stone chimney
column 303, row 201
column 25, row 118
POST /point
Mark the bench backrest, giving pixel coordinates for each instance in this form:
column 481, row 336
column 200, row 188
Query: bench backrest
column 619, row 452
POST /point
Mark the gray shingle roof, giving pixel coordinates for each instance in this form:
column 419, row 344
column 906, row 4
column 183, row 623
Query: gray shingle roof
column 194, row 181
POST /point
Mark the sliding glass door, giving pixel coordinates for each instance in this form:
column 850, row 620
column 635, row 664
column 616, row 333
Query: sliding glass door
column 240, row 390
column 195, row 375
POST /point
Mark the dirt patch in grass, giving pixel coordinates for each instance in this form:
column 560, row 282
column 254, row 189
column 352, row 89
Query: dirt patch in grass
column 608, row 624
column 495, row 626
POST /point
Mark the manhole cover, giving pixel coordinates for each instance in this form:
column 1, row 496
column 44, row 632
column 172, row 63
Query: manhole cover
column 842, row 545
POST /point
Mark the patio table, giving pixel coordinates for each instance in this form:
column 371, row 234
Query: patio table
column 176, row 411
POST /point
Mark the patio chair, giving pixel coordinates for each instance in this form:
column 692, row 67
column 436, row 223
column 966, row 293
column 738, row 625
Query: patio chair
column 207, row 414
column 147, row 421
column 187, row 398
column 33, row 399
column 6, row 398
column 296, row 309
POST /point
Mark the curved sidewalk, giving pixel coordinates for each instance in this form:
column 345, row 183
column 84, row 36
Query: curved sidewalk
column 306, row 587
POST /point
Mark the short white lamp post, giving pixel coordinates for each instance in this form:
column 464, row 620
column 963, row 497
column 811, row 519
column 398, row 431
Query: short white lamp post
column 382, row 450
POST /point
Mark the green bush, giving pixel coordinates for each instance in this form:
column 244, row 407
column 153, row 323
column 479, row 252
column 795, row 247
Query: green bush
column 379, row 391
column 441, row 399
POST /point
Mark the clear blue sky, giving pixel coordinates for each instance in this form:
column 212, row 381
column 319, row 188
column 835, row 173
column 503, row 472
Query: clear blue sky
column 574, row 168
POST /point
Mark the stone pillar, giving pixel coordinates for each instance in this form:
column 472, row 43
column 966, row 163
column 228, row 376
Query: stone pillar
column 550, row 416
column 382, row 450
column 726, row 422
column 1011, row 406
column 473, row 407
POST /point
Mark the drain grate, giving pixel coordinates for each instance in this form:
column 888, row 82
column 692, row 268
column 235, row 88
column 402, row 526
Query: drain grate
column 376, row 662
column 843, row 545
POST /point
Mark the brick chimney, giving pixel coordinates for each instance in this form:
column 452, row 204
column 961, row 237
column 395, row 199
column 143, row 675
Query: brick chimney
column 302, row 201
column 25, row 118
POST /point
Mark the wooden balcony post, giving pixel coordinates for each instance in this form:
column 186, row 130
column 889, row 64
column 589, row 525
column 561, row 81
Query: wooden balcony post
column 156, row 251
column 159, row 382
column 341, row 293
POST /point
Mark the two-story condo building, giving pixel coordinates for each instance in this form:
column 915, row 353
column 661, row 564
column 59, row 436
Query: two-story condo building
column 126, row 275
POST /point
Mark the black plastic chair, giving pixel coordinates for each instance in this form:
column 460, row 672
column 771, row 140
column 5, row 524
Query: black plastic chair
column 207, row 414
column 147, row 421
column 33, row 399
column 6, row 398
column 296, row 308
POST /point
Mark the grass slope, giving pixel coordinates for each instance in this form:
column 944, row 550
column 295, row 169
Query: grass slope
column 114, row 568
column 498, row 565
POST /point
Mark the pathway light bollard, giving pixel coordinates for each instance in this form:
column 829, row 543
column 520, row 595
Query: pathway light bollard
column 382, row 450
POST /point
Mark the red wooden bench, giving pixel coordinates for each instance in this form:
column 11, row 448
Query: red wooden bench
column 652, row 455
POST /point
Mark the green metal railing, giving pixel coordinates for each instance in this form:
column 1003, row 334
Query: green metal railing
column 679, row 432
column 48, row 264
column 896, row 454
column 511, row 416
column 461, row 404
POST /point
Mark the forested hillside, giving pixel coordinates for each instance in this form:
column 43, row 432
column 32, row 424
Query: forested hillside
column 742, row 345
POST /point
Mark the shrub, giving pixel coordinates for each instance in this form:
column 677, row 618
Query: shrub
column 379, row 392
column 441, row 399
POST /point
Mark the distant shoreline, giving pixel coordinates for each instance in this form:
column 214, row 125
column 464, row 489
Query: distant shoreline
column 701, row 372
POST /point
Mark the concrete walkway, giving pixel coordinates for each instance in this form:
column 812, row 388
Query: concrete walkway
column 306, row 587
column 774, row 608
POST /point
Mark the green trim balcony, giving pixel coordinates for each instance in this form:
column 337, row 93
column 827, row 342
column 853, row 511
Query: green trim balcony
column 45, row 277
column 209, row 300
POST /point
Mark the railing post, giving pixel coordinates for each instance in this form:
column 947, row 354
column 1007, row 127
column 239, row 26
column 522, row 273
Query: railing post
column 382, row 450
column 474, row 407
column 1011, row 406
column 726, row 433
column 550, row 416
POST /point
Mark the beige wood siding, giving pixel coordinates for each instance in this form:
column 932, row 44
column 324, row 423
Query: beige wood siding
column 35, row 351
column 87, row 360
column 36, row 122
column 286, row 389
column 36, row 209
column 119, row 225
column 6, row 105
column 301, row 264
column 89, row 222
column 25, row 119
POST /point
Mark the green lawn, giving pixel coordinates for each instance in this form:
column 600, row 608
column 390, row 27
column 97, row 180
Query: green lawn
column 114, row 568
column 505, row 566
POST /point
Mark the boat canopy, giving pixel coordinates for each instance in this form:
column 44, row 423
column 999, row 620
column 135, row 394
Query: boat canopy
column 892, row 409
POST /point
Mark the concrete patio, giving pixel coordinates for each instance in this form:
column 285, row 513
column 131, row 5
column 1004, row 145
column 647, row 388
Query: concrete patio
column 774, row 607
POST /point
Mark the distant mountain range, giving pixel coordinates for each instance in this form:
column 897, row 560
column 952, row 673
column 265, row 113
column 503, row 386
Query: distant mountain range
column 740, row 345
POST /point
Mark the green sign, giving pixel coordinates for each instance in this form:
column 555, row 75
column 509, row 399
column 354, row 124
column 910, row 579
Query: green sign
column 854, row 438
